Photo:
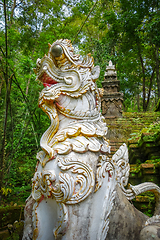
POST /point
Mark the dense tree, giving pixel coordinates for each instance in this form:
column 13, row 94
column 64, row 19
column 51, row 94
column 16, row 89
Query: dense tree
column 125, row 31
column 137, row 38
column 129, row 33
column 27, row 28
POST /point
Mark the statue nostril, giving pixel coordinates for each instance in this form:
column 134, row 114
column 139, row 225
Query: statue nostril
column 56, row 50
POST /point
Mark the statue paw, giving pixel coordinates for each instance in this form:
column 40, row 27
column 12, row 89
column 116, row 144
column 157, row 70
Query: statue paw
column 28, row 232
column 150, row 232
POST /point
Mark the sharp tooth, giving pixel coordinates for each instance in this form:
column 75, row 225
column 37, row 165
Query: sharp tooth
column 89, row 114
column 68, row 110
column 49, row 45
column 86, row 113
column 93, row 112
column 82, row 114
column 45, row 68
column 75, row 113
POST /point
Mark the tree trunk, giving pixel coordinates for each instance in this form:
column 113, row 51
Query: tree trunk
column 138, row 107
column 157, row 70
column 12, row 10
column 2, row 150
column 144, row 83
column 150, row 88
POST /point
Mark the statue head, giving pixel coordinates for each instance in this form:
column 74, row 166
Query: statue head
column 65, row 72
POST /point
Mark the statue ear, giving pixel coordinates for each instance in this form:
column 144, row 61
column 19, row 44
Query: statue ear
column 95, row 73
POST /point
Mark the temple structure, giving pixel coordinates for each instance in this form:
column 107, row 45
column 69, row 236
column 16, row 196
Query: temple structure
column 112, row 99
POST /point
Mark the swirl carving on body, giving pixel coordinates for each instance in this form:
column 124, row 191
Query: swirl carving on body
column 71, row 186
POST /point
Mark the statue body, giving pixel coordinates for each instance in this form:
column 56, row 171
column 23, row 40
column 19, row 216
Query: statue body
column 77, row 191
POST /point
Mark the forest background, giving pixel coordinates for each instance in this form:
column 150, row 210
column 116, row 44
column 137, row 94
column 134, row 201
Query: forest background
column 124, row 31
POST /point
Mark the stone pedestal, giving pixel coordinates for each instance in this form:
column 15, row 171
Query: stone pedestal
column 112, row 99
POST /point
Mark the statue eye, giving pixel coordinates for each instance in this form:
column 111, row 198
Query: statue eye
column 56, row 50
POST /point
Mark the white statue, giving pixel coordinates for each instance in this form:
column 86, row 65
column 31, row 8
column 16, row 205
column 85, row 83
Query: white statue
column 77, row 191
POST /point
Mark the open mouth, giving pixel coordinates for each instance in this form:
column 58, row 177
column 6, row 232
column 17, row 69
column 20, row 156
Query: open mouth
column 47, row 80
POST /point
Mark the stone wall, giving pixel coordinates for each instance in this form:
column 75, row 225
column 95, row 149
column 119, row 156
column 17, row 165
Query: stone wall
column 143, row 139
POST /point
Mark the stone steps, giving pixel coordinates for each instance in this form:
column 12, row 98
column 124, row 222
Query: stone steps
column 122, row 130
column 145, row 172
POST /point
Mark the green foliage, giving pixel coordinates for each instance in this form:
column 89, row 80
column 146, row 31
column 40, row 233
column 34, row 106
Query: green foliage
column 153, row 129
column 100, row 53
column 126, row 32
column 157, row 107
column 126, row 28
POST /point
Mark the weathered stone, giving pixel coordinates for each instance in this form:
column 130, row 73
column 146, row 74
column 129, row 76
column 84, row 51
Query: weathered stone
column 150, row 232
column 112, row 99
column 125, row 220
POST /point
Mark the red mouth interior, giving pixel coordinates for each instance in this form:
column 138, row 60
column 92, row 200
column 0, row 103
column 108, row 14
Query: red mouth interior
column 47, row 80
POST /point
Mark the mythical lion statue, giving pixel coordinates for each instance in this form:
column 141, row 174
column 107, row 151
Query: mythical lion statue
column 78, row 192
